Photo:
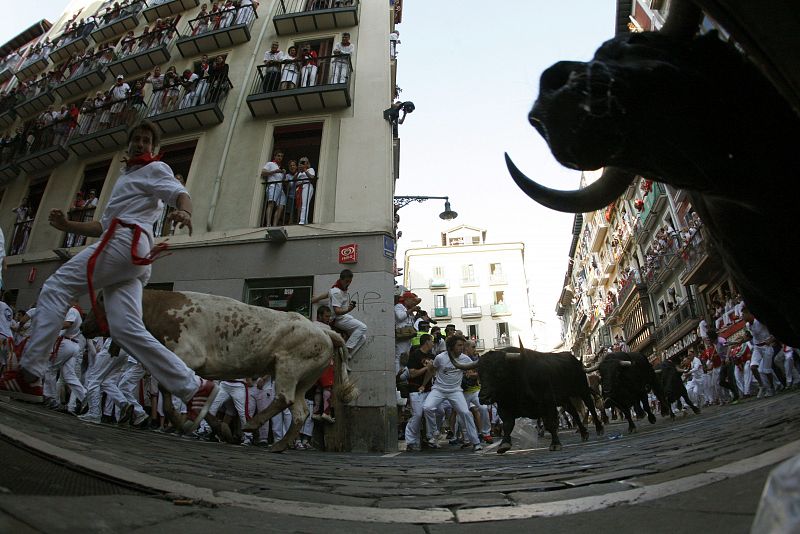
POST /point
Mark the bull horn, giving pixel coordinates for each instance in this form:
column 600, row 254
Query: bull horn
column 683, row 19
column 464, row 366
column 591, row 369
column 625, row 363
column 681, row 370
column 521, row 348
column 658, row 371
column 597, row 195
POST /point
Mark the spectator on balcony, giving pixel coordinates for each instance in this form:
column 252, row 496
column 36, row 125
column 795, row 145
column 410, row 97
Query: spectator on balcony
column 308, row 74
column 91, row 199
column 156, row 81
column 128, row 43
column 273, row 176
column 290, row 72
column 306, row 178
column 227, row 14
column 78, row 203
column 246, row 11
column 394, row 40
column 106, row 55
column 22, row 228
column 136, row 103
column 340, row 64
column 201, row 21
column 188, row 81
column 119, row 93
column 202, row 71
column 172, row 89
column 217, row 80
column 61, row 125
column 272, row 72
column 290, row 179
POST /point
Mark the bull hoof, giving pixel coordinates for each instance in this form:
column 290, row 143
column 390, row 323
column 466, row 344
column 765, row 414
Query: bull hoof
column 672, row 416
column 632, row 430
column 555, row 447
column 584, row 436
column 696, row 410
column 652, row 419
column 503, row 448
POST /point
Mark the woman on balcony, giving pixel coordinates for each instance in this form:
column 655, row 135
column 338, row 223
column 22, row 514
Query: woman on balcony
column 246, row 11
column 290, row 71
column 172, row 89
column 305, row 189
column 217, row 80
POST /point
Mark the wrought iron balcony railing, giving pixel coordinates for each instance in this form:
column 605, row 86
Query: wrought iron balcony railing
column 85, row 214
column 190, row 107
column 117, row 20
column 217, row 30
column 138, row 54
column 102, row 125
column 161, row 9
column 44, row 146
column 298, row 16
column 289, row 202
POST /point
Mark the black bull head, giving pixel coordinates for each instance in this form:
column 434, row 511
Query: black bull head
column 693, row 113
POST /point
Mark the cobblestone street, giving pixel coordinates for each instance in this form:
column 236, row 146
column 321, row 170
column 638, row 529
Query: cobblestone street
column 434, row 487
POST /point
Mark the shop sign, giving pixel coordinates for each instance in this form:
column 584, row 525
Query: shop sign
column 348, row 253
column 681, row 344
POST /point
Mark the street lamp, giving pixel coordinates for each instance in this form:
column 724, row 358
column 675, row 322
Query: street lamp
column 447, row 215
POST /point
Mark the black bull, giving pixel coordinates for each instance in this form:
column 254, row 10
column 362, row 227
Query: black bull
column 526, row 383
column 673, row 386
column 692, row 112
column 626, row 379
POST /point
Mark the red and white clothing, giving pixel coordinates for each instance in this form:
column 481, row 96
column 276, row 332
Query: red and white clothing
column 356, row 330
column 136, row 199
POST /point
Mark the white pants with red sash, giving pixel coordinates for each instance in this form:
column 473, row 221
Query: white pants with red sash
column 122, row 283
column 237, row 392
column 63, row 358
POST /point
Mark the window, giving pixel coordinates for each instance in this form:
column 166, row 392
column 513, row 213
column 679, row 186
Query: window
column 455, row 241
column 662, row 309
column 323, row 48
column 440, row 301
column 438, row 272
column 179, row 157
column 84, row 205
column 476, row 240
column 26, row 213
column 499, row 297
column 283, row 294
column 472, row 332
column 468, row 273
column 293, row 201
column 502, row 335
column 470, row 300
column 496, row 269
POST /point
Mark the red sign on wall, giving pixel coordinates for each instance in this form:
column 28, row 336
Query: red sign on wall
column 348, row 253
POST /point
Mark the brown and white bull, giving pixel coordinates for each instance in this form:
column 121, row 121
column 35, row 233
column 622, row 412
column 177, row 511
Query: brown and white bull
column 223, row 339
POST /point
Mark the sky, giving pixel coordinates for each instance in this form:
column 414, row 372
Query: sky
column 472, row 69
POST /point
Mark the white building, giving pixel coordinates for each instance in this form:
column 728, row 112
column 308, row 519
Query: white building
column 479, row 287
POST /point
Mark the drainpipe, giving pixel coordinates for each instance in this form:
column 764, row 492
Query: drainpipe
column 218, row 180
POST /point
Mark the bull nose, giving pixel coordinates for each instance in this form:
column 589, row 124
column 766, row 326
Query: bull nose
column 558, row 75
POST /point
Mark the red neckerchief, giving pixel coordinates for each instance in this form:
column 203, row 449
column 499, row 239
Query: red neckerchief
column 339, row 285
column 143, row 159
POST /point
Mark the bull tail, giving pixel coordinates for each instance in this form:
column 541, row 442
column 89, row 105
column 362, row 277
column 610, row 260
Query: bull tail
column 345, row 391
column 336, row 338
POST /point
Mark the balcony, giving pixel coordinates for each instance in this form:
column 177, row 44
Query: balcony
column 46, row 151
column 480, row 344
column 653, row 202
column 36, row 100
column 302, row 16
column 209, row 33
column 79, row 215
column 105, row 128
column 677, row 321
column 143, row 53
column 469, row 282
column 71, row 43
column 497, row 279
column 499, row 309
column 437, row 282
column 161, row 9
column 501, row 342
column 296, row 88
column 627, row 289
column 83, row 78
column 193, row 110
column 33, row 65
column 298, row 194
column 19, row 236
column 701, row 262
column 7, row 117
column 598, row 236
column 468, row 312
column 116, row 23
column 441, row 313
column 8, row 156
column 5, row 71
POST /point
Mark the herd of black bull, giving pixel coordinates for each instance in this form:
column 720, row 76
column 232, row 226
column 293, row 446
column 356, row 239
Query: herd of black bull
column 526, row 383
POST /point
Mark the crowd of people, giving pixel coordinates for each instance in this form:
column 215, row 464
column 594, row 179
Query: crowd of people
column 289, row 190
column 290, row 69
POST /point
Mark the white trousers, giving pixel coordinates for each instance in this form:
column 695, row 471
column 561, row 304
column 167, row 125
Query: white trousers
column 308, row 76
column 338, row 72
column 122, row 284
column 261, row 398
column 236, row 392
column 413, row 425
column 103, row 377
column 694, row 388
column 399, row 348
column 308, row 424
column 306, row 194
column 64, row 360
column 281, row 424
column 472, row 400
column 792, row 376
column 355, row 329
column 456, row 398
column 129, row 386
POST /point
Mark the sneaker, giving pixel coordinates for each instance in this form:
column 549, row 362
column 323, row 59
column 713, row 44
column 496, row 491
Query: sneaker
column 477, row 447
column 433, row 444
column 52, row 404
column 14, row 385
column 107, row 419
column 761, row 392
column 299, row 445
column 734, row 401
column 327, row 418
column 488, row 439
column 456, row 441
column 141, row 421
column 125, row 414
column 89, row 418
column 411, row 447
column 198, row 406
column 769, row 393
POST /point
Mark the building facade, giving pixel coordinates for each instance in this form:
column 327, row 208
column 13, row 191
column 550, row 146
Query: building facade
column 641, row 270
column 218, row 131
column 479, row 287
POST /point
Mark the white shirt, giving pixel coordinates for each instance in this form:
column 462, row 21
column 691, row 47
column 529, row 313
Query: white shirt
column 277, row 56
column 402, row 317
column 6, row 316
column 271, row 167
column 343, row 51
column 339, row 298
column 697, row 368
column 760, row 333
column 119, row 92
column 137, row 195
column 448, row 376
column 73, row 316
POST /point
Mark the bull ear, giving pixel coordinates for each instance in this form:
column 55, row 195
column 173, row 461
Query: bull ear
column 658, row 371
column 625, row 363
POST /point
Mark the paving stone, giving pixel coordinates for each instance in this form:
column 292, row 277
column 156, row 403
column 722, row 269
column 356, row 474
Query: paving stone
column 607, row 476
column 533, row 497
column 510, row 486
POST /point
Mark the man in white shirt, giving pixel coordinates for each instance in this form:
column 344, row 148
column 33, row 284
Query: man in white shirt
column 342, row 55
column 272, row 73
column 404, row 318
column 6, row 334
column 447, row 386
column 761, row 362
column 63, row 358
column 119, row 93
column 695, row 386
column 119, row 263
column 340, row 303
